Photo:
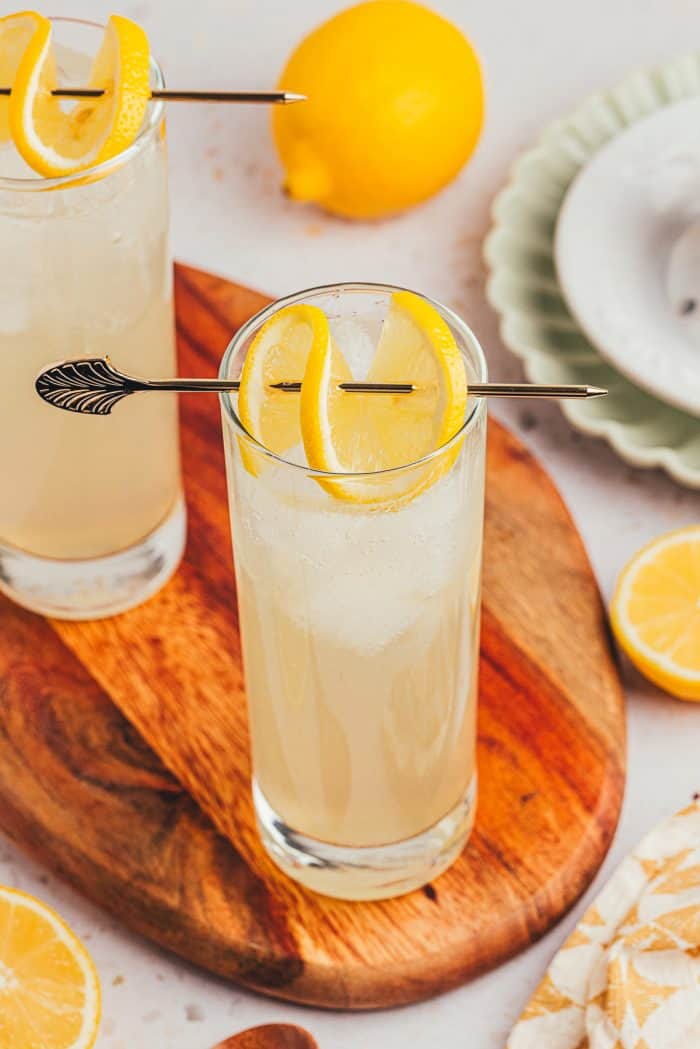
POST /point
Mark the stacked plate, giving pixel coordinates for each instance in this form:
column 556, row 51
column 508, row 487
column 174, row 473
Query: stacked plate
column 595, row 265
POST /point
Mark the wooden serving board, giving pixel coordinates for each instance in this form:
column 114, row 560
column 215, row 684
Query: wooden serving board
column 124, row 763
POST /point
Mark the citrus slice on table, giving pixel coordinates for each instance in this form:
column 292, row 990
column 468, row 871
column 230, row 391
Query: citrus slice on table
column 49, row 990
column 656, row 612
column 15, row 33
column 278, row 353
column 367, row 433
column 57, row 141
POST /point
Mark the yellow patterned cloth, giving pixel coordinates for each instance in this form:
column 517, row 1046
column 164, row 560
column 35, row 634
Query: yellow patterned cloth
column 628, row 977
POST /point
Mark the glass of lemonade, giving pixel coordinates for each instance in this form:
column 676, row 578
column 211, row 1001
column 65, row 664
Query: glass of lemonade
column 360, row 632
column 92, row 520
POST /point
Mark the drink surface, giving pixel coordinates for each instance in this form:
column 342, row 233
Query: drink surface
column 90, row 275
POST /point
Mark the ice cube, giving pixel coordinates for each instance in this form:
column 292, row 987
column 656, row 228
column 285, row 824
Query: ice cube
column 356, row 343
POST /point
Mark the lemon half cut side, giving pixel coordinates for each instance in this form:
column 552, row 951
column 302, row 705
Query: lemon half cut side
column 49, row 989
column 655, row 612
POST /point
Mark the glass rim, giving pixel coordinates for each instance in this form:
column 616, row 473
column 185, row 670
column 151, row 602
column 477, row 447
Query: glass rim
column 154, row 118
column 259, row 318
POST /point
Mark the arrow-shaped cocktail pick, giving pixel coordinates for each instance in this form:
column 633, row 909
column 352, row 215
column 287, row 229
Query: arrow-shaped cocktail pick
column 166, row 95
column 92, row 386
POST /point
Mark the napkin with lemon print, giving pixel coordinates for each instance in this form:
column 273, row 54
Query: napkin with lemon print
column 628, row 977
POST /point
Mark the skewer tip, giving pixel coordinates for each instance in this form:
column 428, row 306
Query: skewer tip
column 289, row 97
column 596, row 391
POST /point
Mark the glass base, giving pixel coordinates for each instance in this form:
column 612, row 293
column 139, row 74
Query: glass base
column 101, row 586
column 370, row 873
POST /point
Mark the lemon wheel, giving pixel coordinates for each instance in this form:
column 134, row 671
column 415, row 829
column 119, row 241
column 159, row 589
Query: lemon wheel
column 49, row 990
column 656, row 612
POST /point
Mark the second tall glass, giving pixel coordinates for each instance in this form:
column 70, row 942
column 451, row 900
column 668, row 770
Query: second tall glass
column 92, row 519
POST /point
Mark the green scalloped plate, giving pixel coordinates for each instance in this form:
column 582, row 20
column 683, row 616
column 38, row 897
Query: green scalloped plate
column 536, row 323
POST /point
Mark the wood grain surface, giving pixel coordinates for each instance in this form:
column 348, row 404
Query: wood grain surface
column 124, row 758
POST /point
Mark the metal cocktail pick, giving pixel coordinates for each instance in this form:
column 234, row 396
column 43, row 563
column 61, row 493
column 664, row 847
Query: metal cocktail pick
column 276, row 97
column 92, row 385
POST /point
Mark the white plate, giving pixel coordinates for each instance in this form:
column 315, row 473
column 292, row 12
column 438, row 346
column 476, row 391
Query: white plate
column 627, row 252
column 535, row 320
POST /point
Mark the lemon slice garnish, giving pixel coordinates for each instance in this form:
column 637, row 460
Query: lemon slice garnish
column 278, row 353
column 656, row 612
column 15, row 33
column 49, row 990
column 55, row 141
column 363, row 433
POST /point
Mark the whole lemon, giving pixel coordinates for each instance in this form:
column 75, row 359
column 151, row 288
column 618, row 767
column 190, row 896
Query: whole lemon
column 395, row 106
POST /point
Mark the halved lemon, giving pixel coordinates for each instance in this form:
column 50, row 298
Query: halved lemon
column 278, row 353
column 656, row 612
column 49, row 990
column 363, row 433
column 55, row 141
column 16, row 31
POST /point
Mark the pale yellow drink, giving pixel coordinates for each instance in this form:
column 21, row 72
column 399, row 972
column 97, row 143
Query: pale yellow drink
column 88, row 274
column 80, row 486
column 360, row 631
column 360, row 660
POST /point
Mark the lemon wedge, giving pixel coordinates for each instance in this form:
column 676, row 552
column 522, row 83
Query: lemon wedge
column 656, row 612
column 49, row 990
column 278, row 353
column 55, row 141
column 367, row 433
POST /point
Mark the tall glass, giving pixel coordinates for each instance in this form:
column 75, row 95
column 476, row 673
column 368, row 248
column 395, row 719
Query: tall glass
column 92, row 519
column 360, row 631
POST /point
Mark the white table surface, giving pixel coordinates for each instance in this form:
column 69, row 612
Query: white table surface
column 540, row 59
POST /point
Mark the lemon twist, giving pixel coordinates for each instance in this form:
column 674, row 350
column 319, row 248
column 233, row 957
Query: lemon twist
column 372, row 433
column 358, row 434
column 56, row 142
column 279, row 350
column 15, row 33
